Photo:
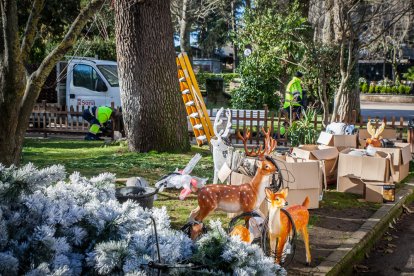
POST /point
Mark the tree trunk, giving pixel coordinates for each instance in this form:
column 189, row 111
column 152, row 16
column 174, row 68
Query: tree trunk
column 154, row 113
column 18, row 90
column 185, row 45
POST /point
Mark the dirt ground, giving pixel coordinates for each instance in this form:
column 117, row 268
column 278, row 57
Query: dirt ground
column 331, row 228
column 394, row 253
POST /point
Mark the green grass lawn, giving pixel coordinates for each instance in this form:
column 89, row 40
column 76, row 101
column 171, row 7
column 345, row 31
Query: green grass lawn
column 91, row 158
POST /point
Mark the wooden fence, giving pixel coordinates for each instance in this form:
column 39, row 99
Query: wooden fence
column 52, row 119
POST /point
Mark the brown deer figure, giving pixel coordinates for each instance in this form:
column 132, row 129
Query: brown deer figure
column 280, row 226
column 232, row 199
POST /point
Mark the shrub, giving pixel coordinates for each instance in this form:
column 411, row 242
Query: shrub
column 202, row 77
column 371, row 89
column 378, row 89
column 394, row 90
column 364, row 87
column 53, row 226
column 303, row 131
column 383, row 89
column 388, row 89
column 401, row 89
column 407, row 89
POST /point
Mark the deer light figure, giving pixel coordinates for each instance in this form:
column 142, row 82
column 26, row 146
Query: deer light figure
column 220, row 148
column 375, row 139
column 232, row 199
column 280, row 226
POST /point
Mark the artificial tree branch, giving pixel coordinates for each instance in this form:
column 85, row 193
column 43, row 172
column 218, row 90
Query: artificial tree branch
column 31, row 28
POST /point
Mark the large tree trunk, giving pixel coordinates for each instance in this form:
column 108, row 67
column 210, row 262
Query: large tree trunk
column 18, row 90
column 153, row 110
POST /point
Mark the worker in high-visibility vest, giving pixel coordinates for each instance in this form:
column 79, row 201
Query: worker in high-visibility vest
column 293, row 95
column 99, row 118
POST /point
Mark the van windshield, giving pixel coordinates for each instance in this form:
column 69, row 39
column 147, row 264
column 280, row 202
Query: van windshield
column 110, row 73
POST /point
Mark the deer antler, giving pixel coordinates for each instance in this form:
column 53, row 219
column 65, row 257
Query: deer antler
column 217, row 122
column 270, row 143
column 379, row 130
column 229, row 123
column 370, row 129
column 245, row 138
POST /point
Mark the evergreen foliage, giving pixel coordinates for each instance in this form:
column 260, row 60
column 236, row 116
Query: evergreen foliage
column 50, row 224
column 277, row 46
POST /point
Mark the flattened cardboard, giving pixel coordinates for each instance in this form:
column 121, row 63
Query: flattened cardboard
column 337, row 140
column 388, row 133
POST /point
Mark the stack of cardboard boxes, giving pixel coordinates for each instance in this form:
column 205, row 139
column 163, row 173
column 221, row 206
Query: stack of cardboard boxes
column 373, row 176
column 310, row 168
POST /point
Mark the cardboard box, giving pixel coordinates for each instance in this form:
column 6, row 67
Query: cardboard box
column 371, row 168
column 303, row 177
column 326, row 154
column 379, row 192
column 350, row 185
column 401, row 157
column 340, row 141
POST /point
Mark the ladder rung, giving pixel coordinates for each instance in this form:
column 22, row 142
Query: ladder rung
column 202, row 138
column 187, row 91
column 198, row 126
column 190, row 103
column 179, row 66
column 182, row 79
column 195, row 115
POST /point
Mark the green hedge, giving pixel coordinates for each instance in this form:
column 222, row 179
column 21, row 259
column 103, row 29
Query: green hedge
column 380, row 89
column 202, row 77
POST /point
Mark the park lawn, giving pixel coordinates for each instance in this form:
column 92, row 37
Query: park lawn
column 91, row 158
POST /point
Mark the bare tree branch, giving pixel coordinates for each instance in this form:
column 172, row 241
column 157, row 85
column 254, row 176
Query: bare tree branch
column 30, row 31
column 38, row 77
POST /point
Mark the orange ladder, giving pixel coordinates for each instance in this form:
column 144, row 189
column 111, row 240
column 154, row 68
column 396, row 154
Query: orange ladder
column 193, row 100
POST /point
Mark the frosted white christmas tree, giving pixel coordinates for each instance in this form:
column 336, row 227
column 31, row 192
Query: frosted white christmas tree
column 53, row 225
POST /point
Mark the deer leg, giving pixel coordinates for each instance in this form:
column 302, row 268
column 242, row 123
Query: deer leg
column 193, row 214
column 305, row 236
column 203, row 212
column 280, row 245
column 273, row 242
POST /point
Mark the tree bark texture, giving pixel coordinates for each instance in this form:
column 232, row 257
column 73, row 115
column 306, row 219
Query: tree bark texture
column 153, row 110
column 18, row 90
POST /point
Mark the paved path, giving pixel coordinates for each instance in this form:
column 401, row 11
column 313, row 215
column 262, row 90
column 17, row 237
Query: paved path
column 394, row 254
column 373, row 109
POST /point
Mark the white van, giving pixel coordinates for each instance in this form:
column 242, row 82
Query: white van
column 88, row 82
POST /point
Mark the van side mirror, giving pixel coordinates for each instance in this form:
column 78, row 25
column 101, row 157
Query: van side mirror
column 100, row 86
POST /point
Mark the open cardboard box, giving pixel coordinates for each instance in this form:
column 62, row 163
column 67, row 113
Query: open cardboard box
column 355, row 171
column 326, row 154
column 339, row 141
column 303, row 177
column 401, row 157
